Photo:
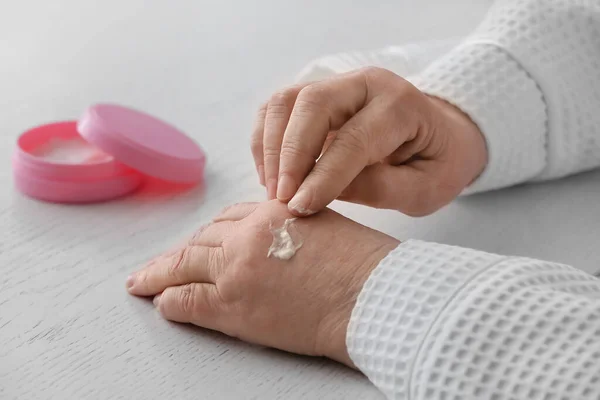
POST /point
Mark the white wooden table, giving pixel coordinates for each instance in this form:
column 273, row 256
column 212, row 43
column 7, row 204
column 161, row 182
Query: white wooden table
column 68, row 329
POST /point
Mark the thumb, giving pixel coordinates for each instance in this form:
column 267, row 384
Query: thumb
column 412, row 189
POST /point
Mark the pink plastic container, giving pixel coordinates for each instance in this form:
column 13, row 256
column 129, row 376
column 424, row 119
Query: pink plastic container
column 104, row 155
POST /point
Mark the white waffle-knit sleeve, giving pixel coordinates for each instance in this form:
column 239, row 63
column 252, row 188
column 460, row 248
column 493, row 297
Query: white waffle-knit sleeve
column 442, row 322
column 529, row 76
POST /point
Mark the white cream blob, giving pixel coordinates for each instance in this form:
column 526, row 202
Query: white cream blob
column 70, row 151
column 283, row 246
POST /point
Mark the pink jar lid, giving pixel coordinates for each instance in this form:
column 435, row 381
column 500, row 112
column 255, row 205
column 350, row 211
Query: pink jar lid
column 143, row 142
column 102, row 156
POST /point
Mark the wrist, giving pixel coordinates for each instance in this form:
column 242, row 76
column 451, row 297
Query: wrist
column 468, row 140
column 337, row 324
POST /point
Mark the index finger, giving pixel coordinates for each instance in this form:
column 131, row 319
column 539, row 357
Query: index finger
column 391, row 116
column 364, row 140
column 320, row 108
column 276, row 120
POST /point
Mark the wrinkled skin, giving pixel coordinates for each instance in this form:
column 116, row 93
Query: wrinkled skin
column 222, row 279
column 369, row 137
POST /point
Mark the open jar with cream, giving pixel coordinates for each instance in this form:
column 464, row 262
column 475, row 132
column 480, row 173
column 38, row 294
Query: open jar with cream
column 104, row 155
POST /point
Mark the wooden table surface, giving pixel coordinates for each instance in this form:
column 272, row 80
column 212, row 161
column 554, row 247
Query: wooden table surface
column 68, row 329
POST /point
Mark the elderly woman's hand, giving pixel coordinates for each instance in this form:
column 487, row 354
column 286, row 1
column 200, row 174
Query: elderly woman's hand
column 381, row 142
column 222, row 279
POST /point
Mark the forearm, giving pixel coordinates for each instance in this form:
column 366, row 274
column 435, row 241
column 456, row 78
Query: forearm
column 436, row 320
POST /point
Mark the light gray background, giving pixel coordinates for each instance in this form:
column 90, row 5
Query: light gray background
column 68, row 329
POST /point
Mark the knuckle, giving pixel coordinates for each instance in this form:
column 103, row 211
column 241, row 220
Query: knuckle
column 229, row 289
column 178, row 260
column 402, row 93
column 277, row 110
column 284, row 96
column 405, row 94
column 311, row 91
column 373, row 72
column 186, row 299
column 262, row 110
column 213, row 260
column 261, row 113
column 279, row 97
column 256, row 145
column 228, row 208
column 281, row 101
column 305, row 108
column 271, row 152
column 322, row 172
column 355, row 141
column 142, row 278
column 245, row 208
column 261, row 232
column 198, row 234
column 292, row 150
column 311, row 98
column 384, row 81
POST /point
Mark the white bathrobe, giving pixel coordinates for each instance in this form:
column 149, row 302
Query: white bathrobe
column 442, row 322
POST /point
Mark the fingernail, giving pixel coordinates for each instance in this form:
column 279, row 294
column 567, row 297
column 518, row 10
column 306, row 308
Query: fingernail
column 156, row 300
column 300, row 202
column 130, row 281
column 261, row 174
column 286, row 188
column 271, row 188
